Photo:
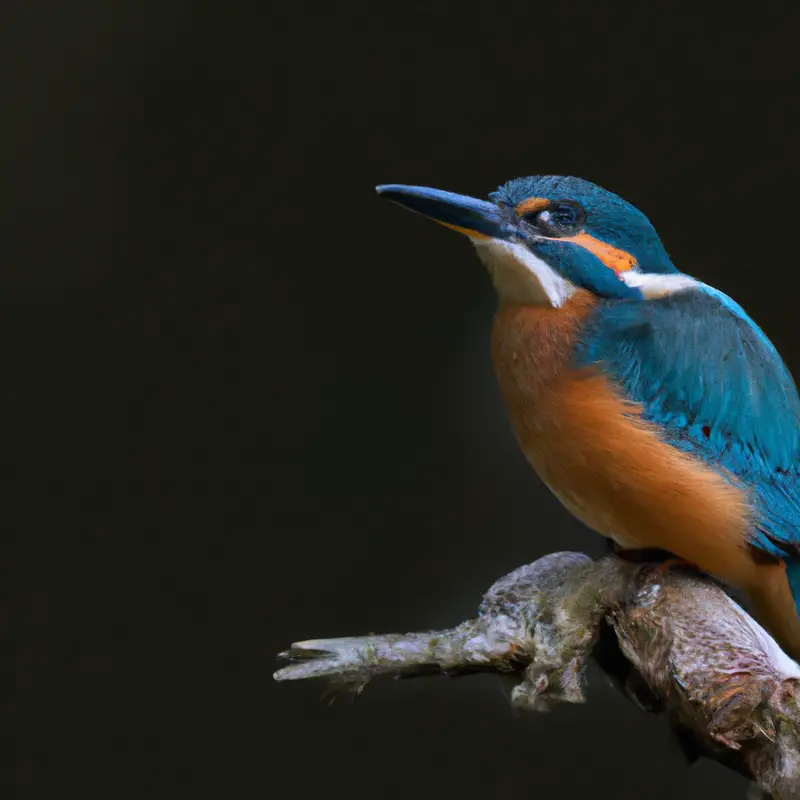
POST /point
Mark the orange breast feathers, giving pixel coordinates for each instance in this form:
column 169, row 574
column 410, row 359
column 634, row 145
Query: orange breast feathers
column 608, row 466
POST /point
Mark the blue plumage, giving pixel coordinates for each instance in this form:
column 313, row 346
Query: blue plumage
column 583, row 269
column 709, row 377
column 608, row 216
column 698, row 367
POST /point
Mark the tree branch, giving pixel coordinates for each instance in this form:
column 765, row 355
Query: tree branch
column 670, row 639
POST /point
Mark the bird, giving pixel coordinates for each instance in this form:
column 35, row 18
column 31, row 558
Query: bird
column 648, row 402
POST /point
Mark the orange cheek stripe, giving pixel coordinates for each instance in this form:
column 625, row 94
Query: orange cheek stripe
column 532, row 204
column 612, row 257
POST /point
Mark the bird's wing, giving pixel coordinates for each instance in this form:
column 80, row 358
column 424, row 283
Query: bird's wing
column 708, row 376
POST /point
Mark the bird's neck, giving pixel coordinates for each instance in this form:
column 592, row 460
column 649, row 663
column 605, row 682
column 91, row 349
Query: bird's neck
column 533, row 346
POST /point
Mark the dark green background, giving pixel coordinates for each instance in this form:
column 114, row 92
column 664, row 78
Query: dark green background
column 246, row 402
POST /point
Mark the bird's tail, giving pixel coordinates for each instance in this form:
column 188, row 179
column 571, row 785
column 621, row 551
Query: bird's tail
column 776, row 599
column 793, row 577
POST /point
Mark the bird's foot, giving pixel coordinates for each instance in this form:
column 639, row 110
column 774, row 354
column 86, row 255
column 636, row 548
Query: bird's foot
column 671, row 563
column 639, row 555
column 662, row 559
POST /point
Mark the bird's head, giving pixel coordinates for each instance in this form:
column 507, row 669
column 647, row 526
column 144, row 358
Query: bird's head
column 546, row 236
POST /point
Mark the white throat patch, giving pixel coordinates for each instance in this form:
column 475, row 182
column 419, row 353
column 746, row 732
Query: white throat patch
column 521, row 277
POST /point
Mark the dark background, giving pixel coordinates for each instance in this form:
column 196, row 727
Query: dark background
column 246, row 402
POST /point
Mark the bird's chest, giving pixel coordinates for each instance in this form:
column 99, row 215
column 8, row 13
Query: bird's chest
column 533, row 350
column 591, row 447
column 562, row 415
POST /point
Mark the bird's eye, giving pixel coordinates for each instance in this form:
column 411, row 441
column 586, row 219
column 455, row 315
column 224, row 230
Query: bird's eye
column 560, row 219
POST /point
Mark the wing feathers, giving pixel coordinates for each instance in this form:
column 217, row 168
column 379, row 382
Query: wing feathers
column 710, row 378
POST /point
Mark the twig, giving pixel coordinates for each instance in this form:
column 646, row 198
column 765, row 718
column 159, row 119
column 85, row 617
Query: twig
column 671, row 639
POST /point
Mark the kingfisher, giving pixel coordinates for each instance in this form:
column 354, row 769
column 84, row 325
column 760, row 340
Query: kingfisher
column 648, row 402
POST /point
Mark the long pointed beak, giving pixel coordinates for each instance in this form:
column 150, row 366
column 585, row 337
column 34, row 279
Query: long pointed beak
column 475, row 218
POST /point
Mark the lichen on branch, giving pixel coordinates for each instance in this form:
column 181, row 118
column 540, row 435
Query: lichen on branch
column 670, row 638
